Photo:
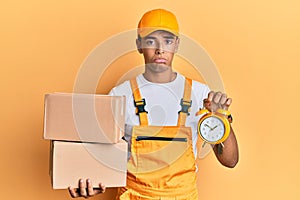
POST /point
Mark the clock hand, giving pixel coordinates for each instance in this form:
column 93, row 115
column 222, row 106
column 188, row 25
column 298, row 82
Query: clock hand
column 208, row 127
column 214, row 127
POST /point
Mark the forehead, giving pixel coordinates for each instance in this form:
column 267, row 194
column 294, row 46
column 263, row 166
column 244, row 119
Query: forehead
column 160, row 33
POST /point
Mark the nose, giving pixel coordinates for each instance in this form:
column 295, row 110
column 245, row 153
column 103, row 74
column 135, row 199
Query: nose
column 159, row 49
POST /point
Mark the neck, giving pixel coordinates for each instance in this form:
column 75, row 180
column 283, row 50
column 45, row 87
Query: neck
column 160, row 77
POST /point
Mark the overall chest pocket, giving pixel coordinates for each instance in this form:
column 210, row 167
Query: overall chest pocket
column 155, row 153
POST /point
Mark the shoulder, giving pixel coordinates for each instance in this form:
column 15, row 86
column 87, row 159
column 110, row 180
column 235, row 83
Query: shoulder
column 122, row 89
column 199, row 90
column 125, row 87
column 200, row 86
column 196, row 85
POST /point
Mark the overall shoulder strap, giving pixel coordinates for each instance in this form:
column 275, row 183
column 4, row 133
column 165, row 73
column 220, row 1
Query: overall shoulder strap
column 185, row 103
column 139, row 103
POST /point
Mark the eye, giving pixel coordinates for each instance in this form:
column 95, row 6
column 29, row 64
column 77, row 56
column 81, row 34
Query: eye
column 169, row 41
column 149, row 42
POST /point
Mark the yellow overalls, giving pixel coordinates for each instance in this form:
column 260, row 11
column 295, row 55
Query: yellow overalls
column 162, row 162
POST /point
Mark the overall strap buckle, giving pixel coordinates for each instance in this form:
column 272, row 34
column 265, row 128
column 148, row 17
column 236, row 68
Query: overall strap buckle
column 140, row 106
column 185, row 106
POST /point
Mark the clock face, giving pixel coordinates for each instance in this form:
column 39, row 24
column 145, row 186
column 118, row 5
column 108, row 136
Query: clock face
column 212, row 129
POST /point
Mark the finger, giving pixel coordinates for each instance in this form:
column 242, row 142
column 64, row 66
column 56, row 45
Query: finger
column 73, row 192
column 90, row 190
column 217, row 97
column 102, row 187
column 210, row 95
column 223, row 99
column 206, row 103
column 82, row 188
column 227, row 104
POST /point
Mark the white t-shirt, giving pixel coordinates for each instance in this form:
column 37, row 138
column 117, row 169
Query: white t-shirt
column 162, row 103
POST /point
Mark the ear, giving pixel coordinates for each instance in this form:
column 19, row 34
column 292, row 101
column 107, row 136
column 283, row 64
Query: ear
column 177, row 44
column 139, row 45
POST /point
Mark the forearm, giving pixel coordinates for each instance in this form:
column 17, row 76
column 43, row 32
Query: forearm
column 228, row 154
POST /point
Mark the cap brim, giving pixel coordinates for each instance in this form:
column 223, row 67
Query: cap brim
column 143, row 32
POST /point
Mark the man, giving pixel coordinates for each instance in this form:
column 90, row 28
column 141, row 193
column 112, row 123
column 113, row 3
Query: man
column 161, row 121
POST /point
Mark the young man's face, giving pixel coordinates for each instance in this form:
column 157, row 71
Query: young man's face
column 158, row 49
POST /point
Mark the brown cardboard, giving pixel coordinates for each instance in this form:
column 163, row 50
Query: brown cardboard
column 84, row 117
column 105, row 163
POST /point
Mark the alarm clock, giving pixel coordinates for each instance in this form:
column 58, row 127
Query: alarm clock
column 214, row 127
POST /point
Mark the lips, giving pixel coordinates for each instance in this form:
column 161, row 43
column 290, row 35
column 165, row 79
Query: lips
column 160, row 60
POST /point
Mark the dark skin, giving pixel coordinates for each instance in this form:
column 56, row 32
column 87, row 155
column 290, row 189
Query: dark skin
column 227, row 154
column 158, row 49
column 85, row 189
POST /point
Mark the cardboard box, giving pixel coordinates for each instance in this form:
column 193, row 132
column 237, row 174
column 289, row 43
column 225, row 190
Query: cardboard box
column 84, row 117
column 105, row 163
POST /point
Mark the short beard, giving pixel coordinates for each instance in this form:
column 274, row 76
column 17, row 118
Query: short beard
column 157, row 68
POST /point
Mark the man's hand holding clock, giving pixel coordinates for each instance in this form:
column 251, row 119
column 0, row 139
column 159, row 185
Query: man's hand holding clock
column 214, row 128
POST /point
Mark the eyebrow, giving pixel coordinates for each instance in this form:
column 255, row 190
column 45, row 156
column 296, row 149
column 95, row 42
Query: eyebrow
column 169, row 37
column 149, row 37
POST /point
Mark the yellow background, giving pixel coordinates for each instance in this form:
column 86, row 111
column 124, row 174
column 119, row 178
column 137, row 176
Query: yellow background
column 255, row 45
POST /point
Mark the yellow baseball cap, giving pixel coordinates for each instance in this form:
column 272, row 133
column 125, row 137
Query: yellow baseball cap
column 158, row 19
